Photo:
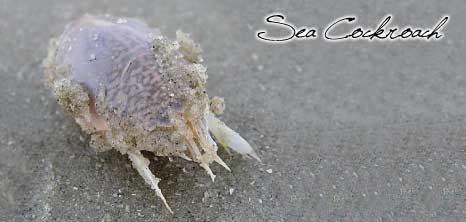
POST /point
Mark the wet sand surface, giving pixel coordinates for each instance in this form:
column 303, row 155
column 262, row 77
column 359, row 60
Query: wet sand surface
column 349, row 131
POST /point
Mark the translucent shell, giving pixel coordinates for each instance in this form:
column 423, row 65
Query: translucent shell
column 115, row 55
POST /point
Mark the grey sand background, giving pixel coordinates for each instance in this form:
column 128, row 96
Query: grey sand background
column 352, row 131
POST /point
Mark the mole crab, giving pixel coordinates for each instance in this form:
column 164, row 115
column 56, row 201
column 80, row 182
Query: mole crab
column 134, row 90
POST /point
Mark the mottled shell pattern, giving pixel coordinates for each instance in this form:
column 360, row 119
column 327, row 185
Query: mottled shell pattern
column 132, row 89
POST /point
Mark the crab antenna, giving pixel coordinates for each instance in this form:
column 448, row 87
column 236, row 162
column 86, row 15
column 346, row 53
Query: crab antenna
column 142, row 166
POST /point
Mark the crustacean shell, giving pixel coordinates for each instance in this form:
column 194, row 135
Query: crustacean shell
column 132, row 89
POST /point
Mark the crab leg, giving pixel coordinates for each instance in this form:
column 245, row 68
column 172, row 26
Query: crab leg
column 208, row 144
column 229, row 138
column 198, row 157
column 142, row 166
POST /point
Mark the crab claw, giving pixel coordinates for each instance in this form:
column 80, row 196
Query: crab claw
column 142, row 166
column 229, row 138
